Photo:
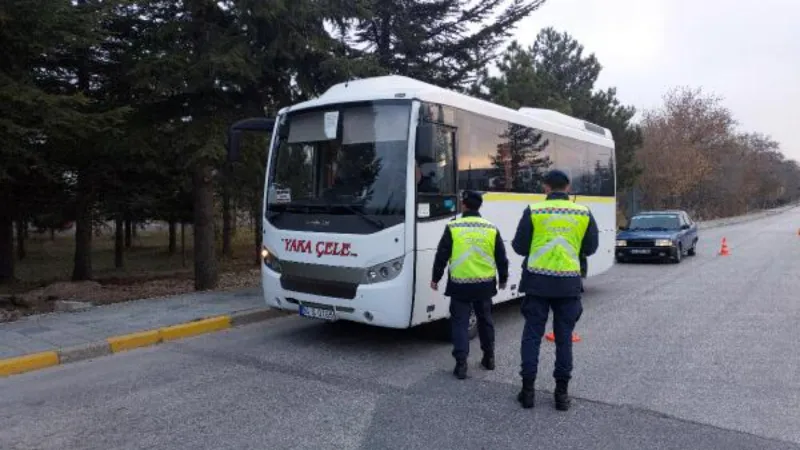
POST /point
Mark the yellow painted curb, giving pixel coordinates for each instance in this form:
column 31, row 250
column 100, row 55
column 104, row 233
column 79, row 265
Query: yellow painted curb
column 27, row 363
column 35, row 361
column 134, row 340
column 194, row 328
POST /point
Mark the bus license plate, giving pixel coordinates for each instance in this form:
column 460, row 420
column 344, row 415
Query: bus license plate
column 317, row 313
column 641, row 251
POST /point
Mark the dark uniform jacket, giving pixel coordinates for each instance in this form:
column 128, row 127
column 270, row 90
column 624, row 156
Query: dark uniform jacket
column 545, row 285
column 471, row 291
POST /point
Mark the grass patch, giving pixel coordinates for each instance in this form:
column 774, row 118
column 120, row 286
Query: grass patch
column 48, row 261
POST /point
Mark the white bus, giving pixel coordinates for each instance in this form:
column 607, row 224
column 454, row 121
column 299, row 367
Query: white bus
column 362, row 181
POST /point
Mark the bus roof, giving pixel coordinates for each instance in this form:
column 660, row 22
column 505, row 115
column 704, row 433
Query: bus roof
column 396, row 86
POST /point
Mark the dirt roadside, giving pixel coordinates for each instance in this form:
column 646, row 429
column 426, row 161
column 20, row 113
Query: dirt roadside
column 43, row 300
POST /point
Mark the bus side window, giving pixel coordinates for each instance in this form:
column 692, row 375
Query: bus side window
column 436, row 179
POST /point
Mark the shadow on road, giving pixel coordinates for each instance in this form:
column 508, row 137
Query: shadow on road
column 345, row 334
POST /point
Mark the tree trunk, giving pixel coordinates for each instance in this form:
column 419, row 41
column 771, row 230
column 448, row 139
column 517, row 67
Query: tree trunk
column 21, row 225
column 227, row 220
column 128, row 233
column 206, row 274
column 173, row 238
column 183, row 244
column 134, row 229
column 119, row 242
column 52, row 234
column 6, row 247
column 234, row 218
column 82, row 269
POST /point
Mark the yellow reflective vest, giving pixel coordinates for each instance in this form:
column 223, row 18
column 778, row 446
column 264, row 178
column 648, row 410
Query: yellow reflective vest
column 472, row 257
column 558, row 230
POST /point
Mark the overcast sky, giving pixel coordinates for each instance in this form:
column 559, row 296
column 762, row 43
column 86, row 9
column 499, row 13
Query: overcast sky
column 749, row 53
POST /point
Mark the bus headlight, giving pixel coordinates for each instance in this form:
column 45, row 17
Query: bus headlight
column 663, row 243
column 384, row 271
column 270, row 260
column 622, row 243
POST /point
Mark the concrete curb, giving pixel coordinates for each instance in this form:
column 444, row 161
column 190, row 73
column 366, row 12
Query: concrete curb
column 718, row 223
column 121, row 343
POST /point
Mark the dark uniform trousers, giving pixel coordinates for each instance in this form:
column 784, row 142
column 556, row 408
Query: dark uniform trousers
column 566, row 313
column 460, row 309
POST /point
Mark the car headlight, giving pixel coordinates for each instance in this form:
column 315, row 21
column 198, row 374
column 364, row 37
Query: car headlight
column 663, row 243
column 384, row 271
column 270, row 260
column 622, row 243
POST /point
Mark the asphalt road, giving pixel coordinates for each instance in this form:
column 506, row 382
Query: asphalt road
column 701, row 355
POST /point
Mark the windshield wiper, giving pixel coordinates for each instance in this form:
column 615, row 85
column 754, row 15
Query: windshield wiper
column 308, row 207
column 296, row 207
column 376, row 222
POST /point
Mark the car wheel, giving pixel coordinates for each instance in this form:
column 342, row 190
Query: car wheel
column 693, row 250
column 621, row 260
column 678, row 255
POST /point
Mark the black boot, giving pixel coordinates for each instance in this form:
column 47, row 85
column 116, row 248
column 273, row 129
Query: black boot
column 460, row 370
column 526, row 395
column 488, row 361
column 561, row 396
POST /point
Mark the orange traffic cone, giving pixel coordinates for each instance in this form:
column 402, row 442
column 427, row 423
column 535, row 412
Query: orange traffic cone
column 552, row 337
column 723, row 251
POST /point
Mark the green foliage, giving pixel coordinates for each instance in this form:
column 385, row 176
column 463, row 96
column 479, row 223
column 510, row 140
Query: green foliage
column 445, row 42
column 107, row 107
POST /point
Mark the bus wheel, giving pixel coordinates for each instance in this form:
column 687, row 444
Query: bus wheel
column 444, row 330
column 473, row 325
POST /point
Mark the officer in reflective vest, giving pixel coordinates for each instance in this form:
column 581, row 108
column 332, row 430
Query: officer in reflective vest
column 475, row 252
column 552, row 236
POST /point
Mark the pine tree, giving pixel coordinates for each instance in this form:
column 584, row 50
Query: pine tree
column 555, row 73
column 48, row 123
column 443, row 42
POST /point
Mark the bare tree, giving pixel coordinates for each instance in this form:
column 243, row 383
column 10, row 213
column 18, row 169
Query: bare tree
column 693, row 158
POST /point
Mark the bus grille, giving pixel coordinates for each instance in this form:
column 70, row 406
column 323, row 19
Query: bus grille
column 313, row 286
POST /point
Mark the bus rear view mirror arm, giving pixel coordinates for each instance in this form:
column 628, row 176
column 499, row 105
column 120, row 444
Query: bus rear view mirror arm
column 233, row 140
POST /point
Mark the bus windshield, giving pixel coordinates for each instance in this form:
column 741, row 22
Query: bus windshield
column 345, row 159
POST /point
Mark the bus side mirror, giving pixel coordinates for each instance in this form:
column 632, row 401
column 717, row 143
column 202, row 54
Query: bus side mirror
column 426, row 142
column 233, row 140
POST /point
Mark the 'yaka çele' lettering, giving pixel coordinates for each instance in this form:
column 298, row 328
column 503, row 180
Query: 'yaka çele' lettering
column 320, row 248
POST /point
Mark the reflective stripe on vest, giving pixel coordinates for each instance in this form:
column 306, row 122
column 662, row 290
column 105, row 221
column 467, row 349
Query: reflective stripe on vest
column 558, row 230
column 472, row 257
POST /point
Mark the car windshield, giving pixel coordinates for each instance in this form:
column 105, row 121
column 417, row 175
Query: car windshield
column 341, row 160
column 655, row 222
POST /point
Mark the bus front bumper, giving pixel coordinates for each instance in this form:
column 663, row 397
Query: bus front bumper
column 385, row 304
